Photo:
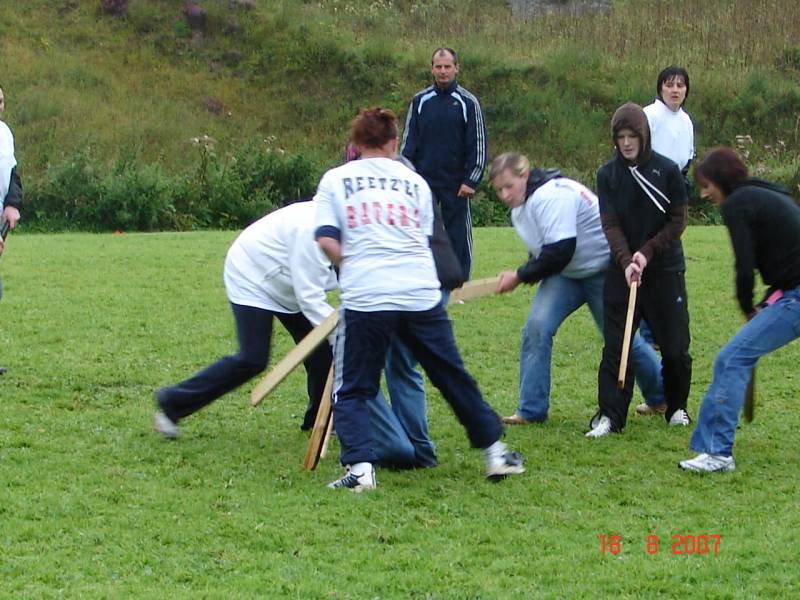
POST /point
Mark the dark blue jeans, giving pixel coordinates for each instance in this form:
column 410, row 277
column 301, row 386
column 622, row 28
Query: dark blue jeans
column 254, row 331
column 771, row 328
column 361, row 344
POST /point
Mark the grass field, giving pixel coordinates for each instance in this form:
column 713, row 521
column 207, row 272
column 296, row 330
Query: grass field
column 94, row 504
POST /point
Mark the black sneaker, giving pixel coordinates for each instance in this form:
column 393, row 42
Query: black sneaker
column 355, row 483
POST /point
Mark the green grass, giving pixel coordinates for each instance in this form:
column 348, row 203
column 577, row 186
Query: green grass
column 94, row 504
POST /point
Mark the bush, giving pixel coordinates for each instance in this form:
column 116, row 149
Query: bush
column 220, row 192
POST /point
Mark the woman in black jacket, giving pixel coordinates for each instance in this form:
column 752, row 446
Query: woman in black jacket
column 764, row 226
column 643, row 213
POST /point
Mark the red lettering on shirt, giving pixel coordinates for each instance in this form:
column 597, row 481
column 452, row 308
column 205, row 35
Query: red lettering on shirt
column 403, row 215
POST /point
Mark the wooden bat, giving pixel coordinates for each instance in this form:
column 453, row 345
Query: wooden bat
column 469, row 291
column 321, row 427
column 750, row 398
column 626, row 337
column 324, row 450
column 295, row 356
column 474, row 289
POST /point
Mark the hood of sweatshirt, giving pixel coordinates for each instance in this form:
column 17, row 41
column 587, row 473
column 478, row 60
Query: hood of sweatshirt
column 631, row 116
column 538, row 177
column 760, row 183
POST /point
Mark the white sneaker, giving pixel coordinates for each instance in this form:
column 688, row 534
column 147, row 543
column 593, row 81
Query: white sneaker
column 708, row 463
column 600, row 427
column 501, row 463
column 164, row 425
column 680, row 418
column 356, row 482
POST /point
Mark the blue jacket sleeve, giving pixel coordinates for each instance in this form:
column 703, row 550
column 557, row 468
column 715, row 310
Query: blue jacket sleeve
column 476, row 145
column 409, row 144
column 551, row 260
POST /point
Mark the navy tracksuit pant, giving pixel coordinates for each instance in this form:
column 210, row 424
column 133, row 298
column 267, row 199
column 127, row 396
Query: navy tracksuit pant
column 254, row 331
column 457, row 220
column 661, row 300
column 361, row 343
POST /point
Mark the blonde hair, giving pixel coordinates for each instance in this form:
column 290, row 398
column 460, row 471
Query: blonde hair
column 512, row 161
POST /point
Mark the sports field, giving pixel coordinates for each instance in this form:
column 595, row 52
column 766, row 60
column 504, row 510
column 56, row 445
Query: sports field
column 94, row 504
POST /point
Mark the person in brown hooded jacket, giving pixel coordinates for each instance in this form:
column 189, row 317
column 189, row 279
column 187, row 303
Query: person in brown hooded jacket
column 643, row 210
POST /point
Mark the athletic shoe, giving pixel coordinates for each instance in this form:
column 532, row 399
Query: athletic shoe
column 165, row 426
column 600, row 427
column 356, row 483
column 516, row 419
column 680, row 418
column 645, row 410
column 708, row 463
column 501, row 463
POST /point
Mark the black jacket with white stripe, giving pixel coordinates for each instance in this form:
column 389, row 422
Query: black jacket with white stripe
column 644, row 209
column 445, row 137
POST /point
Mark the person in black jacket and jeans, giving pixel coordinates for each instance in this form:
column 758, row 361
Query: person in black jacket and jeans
column 643, row 210
column 445, row 140
column 764, row 226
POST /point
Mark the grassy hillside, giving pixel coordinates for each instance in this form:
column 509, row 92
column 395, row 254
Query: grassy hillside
column 132, row 93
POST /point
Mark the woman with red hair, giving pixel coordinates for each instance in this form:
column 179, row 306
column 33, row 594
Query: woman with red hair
column 375, row 220
column 764, row 226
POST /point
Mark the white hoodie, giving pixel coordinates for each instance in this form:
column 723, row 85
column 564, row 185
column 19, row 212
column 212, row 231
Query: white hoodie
column 671, row 133
column 7, row 160
column 276, row 264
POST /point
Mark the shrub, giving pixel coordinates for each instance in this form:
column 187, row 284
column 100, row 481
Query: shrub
column 220, row 192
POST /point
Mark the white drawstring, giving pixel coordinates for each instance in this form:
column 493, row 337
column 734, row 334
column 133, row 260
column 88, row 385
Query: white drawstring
column 644, row 184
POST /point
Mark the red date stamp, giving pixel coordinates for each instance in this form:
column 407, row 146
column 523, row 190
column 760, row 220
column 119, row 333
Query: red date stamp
column 705, row 543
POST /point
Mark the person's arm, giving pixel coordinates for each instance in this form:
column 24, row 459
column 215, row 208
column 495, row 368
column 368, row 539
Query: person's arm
column 677, row 217
column 551, row 260
column 13, row 200
column 327, row 225
column 331, row 247
column 475, row 139
column 617, row 242
column 7, row 160
column 310, row 272
column 735, row 215
column 408, row 148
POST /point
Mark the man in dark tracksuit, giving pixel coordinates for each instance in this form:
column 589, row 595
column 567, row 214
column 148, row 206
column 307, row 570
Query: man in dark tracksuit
column 643, row 210
column 445, row 140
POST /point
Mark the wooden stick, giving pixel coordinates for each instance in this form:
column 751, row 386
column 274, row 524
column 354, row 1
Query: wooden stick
column 750, row 398
column 295, row 356
column 321, row 426
column 474, row 289
column 324, row 451
column 626, row 337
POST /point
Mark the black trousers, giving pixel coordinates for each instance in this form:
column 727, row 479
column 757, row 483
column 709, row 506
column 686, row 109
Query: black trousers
column 457, row 219
column 254, row 331
column 361, row 342
column 661, row 300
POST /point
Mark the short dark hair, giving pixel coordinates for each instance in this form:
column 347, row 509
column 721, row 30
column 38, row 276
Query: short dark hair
column 448, row 50
column 671, row 72
column 723, row 167
column 373, row 127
